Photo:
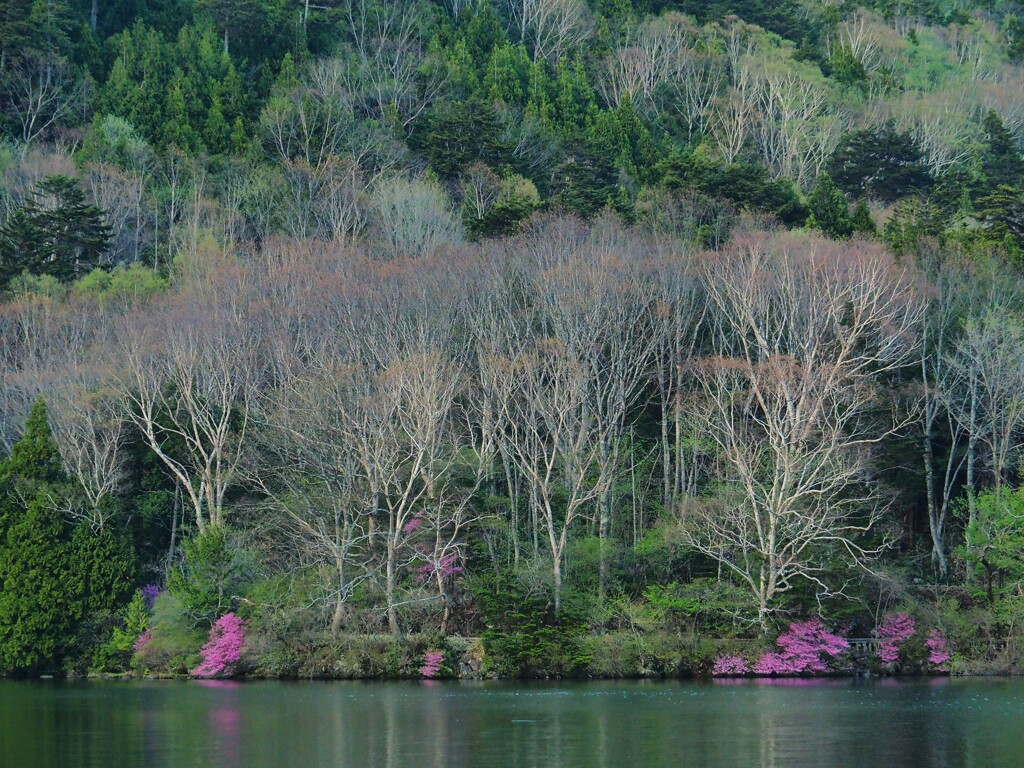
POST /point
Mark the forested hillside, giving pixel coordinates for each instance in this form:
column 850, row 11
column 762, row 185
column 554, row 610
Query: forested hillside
column 610, row 333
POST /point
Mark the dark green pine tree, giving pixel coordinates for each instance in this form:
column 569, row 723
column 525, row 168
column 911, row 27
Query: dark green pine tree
column 20, row 239
column 52, row 574
column 33, row 464
column 829, row 208
column 40, row 595
column 862, row 221
column 54, row 233
column 456, row 134
column 881, row 162
column 1002, row 215
column 104, row 562
column 1001, row 162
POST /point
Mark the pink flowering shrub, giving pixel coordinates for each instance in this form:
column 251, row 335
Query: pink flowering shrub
column 730, row 665
column 224, row 648
column 893, row 632
column 938, row 649
column 805, row 647
column 142, row 640
column 432, row 661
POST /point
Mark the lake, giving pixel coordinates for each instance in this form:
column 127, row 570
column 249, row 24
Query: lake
column 843, row 722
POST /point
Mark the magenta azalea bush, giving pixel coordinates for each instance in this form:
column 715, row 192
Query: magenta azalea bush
column 220, row 655
column 432, row 661
column 730, row 665
column 893, row 633
column 938, row 649
column 803, row 648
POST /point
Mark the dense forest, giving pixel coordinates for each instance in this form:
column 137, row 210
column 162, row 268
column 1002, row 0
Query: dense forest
column 520, row 337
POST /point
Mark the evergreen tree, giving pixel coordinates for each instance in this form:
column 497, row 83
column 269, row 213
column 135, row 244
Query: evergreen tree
column 830, row 209
column 54, row 233
column 862, row 221
column 34, row 463
column 39, row 593
column 882, row 163
column 104, row 563
column 1001, row 162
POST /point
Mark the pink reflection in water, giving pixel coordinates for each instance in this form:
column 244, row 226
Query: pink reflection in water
column 225, row 721
column 218, row 683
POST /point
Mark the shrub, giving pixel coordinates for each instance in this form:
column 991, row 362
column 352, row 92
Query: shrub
column 730, row 665
column 805, row 647
column 170, row 643
column 938, row 649
column 115, row 655
column 432, row 661
column 220, row 656
column 895, row 630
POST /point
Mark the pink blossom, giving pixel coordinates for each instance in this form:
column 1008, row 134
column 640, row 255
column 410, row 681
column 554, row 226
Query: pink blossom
column 447, row 566
column 730, row 665
column 893, row 632
column 802, row 648
column 938, row 649
column 224, row 648
column 142, row 641
column 432, row 661
column 412, row 526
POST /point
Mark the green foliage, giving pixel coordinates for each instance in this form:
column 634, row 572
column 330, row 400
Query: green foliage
column 55, row 233
column 995, row 543
column 104, row 562
column 845, row 68
column 1002, row 164
column 34, row 464
column 881, row 163
column 829, row 209
column 861, row 219
column 522, row 635
column 122, row 285
column 211, row 576
column 455, row 134
column 1001, row 214
column 173, row 642
column 40, row 596
column 747, row 185
column 115, row 654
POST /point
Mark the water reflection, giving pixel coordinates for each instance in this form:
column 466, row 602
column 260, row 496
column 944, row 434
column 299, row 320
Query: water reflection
column 942, row 722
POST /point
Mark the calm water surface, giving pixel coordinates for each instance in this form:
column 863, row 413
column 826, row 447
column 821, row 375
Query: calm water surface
column 946, row 723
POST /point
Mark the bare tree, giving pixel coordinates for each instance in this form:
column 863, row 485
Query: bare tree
column 802, row 333
column 41, row 92
column 188, row 377
column 413, row 216
column 551, row 28
column 389, row 69
column 89, row 426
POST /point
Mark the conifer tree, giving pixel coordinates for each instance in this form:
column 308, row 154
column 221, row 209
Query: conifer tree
column 54, row 233
column 831, row 212
column 862, row 221
column 39, row 598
